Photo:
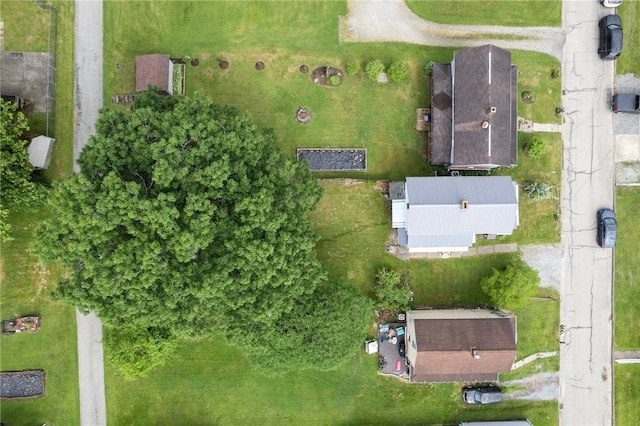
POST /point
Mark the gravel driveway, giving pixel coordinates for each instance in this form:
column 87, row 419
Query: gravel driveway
column 539, row 387
column 392, row 20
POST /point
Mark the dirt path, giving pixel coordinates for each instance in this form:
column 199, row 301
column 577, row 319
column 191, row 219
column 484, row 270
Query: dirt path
column 392, row 20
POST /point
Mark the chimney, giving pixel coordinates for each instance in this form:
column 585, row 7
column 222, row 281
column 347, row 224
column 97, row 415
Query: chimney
column 475, row 354
column 464, row 205
column 493, row 110
column 485, row 124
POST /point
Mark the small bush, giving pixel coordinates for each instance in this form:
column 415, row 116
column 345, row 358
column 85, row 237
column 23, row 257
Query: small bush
column 428, row 67
column 512, row 287
column 334, row 79
column 392, row 289
column 397, row 71
column 538, row 191
column 555, row 73
column 374, row 69
column 353, row 68
column 535, row 147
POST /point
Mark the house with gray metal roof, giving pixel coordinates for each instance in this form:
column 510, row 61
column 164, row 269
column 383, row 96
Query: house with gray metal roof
column 444, row 214
column 474, row 110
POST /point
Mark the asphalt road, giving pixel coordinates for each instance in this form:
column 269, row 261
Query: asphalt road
column 88, row 101
column 586, row 379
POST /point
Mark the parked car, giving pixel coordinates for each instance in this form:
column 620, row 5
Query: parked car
column 607, row 228
column 610, row 45
column 625, row 102
column 482, row 394
column 611, row 3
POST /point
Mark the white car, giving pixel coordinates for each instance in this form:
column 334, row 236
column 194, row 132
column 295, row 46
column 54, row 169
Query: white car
column 611, row 3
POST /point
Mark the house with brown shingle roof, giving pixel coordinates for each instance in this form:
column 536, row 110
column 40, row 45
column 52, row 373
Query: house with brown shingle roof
column 155, row 70
column 474, row 110
column 459, row 345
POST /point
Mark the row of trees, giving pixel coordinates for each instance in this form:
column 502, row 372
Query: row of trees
column 397, row 71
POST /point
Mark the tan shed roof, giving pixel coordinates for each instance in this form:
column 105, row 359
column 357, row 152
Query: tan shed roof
column 153, row 70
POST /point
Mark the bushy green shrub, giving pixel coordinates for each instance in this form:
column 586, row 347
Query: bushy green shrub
column 353, row 68
column 334, row 79
column 374, row 69
column 397, row 71
column 512, row 287
column 428, row 67
column 535, row 147
column 538, row 191
column 392, row 289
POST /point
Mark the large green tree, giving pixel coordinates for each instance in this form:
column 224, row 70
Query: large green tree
column 511, row 287
column 185, row 218
column 16, row 187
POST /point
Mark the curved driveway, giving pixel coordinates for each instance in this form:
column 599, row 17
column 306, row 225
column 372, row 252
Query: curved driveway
column 392, row 20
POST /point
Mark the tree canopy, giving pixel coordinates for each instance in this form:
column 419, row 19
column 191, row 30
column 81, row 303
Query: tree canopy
column 512, row 287
column 15, row 168
column 185, row 217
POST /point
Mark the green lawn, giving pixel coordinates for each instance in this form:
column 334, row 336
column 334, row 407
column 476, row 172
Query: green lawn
column 490, row 12
column 627, row 270
column 629, row 60
column 627, row 393
column 26, row 284
column 360, row 113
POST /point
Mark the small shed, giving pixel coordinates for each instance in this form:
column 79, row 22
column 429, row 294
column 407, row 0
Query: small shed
column 155, row 70
column 40, row 152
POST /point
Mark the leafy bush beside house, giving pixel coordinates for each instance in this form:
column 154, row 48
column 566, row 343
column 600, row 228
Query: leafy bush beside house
column 397, row 71
column 374, row 69
column 512, row 287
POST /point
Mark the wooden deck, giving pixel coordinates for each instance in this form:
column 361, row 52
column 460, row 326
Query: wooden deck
column 421, row 124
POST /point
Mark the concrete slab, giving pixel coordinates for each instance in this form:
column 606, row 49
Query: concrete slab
column 486, row 250
column 473, row 251
column 506, row 248
column 628, row 147
column 28, row 75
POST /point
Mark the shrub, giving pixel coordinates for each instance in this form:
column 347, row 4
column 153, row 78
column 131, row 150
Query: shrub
column 353, row 68
column 512, row 287
column 374, row 69
column 392, row 289
column 538, row 191
column 428, row 67
column 555, row 73
column 535, row 147
column 334, row 79
column 397, row 71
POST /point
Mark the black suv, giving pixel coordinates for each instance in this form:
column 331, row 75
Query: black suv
column 482, row 394
column 610, row 45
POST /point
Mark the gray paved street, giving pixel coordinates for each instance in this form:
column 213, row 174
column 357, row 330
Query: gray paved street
column 88, row 101
column 586, row 378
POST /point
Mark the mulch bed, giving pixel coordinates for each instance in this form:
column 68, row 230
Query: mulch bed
column 337, row 159
column 21, row 384
column 223, row 64
column 259, row 65
column 303, row 115
column 322, row 76
column 195, row 62
column 304, row 69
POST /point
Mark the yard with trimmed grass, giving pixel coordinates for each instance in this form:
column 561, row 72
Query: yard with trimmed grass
column 537, row 13
column 26, row 284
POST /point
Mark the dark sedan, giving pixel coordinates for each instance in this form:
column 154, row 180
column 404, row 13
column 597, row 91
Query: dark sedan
column 607, row 228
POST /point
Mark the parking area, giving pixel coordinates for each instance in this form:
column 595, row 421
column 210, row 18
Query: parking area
column 29, row 75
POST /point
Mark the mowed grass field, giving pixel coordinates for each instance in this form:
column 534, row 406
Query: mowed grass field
column 25, row 283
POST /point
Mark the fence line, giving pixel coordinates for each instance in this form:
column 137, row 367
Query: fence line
column 52, row 42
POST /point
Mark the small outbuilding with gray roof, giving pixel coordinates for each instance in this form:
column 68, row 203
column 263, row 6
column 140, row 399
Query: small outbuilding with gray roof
column 444, row 214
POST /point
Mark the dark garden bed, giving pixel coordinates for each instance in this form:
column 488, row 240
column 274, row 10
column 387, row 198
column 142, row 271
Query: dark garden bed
column 338, row 159
column 21, row 384
column 327, row 76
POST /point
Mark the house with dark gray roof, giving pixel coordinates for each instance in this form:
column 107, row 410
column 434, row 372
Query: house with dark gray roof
column 444, row 214
column 459, row 345
column 474, row 110
column 154, row 70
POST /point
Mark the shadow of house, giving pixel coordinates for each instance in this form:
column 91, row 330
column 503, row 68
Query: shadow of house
column 444, row 214
column 154, row 70
column 474, row 110
column 459, row 345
